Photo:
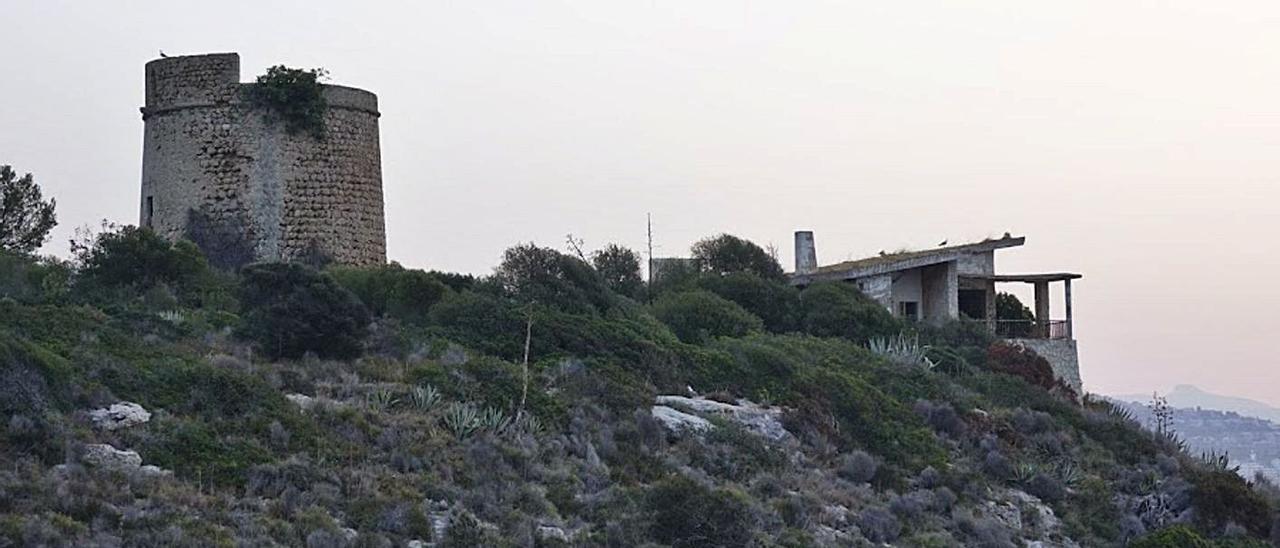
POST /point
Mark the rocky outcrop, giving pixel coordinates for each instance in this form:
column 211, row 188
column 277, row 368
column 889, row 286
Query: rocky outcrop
column 104, row 456
column 765, row 421
column 679, row 422
column 303, row 401
column 119, row 415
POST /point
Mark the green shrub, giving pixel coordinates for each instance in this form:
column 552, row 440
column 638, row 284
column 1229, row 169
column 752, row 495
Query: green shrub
column 30, row 280
column 534, row 275
column 686, row 514
column 138, row 258
column 290, row 309
column 699, row 316
column 481, row 321
column 1010, row 309
column 294, row 96
column 1222, row 496
column 775, row 303
column 1177, row 536
column 194, row 450
column 838, row 309
column 392, row 290
column 725, row 254
column 620, row 268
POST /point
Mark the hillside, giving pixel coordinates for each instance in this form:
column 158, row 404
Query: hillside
column 151, row 400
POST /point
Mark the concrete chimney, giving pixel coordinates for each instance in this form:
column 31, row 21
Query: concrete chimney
column 806, row 253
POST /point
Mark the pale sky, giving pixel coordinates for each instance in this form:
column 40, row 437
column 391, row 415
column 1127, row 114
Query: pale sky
column 1136, row 142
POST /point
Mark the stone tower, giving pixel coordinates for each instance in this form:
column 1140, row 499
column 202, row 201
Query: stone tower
column 246, row 190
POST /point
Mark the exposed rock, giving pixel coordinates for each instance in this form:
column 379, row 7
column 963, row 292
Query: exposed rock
column 825, row 535
column 1006, row 513
column 551, row 532
column 416, row 543
column 679, row 421
column 119, row 415
column 303, row 401
column 837, row 514
column 104, row 456
column 350, row 534
column 439, row 518
column 152, row 470
column 764, row 421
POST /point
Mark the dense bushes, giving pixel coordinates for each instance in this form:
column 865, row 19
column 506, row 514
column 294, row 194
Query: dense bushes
column 775, row 303
column 530, row 274
column 392, row 290
column 290, row 309
column 620, row 269
column 1222, row 497
column 1178, row 536
column 726, row 254
column 132, row 257
column 31, row 281
column 700, row 316
column 835, row 309
column 373, row 455
column 686, row 514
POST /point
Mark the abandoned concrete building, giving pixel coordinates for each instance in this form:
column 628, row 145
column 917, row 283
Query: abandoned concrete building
column 245, row 189
column 955, row 282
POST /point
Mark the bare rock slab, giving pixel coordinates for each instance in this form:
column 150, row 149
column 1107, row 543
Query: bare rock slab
column 119, row 415
column 101, row 455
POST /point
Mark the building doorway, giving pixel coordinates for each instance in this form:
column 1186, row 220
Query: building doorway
column 973, row 304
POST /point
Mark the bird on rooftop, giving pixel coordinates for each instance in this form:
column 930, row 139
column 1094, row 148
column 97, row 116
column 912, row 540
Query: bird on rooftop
column 882, row 253
column 944, row 242
column 162, row 53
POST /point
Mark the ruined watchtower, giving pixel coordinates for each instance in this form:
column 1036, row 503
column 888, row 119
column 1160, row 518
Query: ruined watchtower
column 244, row 189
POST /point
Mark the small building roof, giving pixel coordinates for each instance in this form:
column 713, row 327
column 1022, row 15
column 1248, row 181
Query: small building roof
column 1027, row 278
column 903, row 260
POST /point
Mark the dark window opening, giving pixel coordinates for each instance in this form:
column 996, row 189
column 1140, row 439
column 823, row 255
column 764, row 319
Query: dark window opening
column 909, row 310
column 150, row 212
column 973, row 303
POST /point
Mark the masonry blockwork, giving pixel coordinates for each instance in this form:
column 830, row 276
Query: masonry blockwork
column 245, row 190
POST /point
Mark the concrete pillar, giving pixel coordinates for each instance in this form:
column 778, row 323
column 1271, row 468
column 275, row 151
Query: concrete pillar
column 1067, row 289
column 1042, row 308
column 806, row 253
column 991, row 305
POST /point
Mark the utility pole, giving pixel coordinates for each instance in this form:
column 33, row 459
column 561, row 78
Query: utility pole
column 648, row 217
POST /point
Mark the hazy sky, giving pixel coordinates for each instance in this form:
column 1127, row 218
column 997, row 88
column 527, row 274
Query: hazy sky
column 1135, row 142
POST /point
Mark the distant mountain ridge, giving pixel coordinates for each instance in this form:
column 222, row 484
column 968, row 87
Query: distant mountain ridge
column 1189, row 396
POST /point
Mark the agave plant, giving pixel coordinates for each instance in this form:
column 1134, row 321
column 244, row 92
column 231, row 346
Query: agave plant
column 1023, row 472
column 424, row 398
column 1069, row 472
column 903, row 349
column 527, row 424
column 461, row 419
column 380, row 400
column 174, row 317
column 1217, row 462
column 494, row 420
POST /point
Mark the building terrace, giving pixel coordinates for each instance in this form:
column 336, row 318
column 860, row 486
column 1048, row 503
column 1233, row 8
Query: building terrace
column 955, row 282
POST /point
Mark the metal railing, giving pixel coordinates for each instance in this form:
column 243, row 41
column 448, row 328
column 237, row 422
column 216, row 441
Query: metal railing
column 1029, row 329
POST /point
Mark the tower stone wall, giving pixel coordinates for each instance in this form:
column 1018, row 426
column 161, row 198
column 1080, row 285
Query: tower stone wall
column 243, row 189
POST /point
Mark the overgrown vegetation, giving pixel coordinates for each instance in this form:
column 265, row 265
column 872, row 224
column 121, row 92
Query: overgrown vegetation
column 292, row 96
column 358, row 406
